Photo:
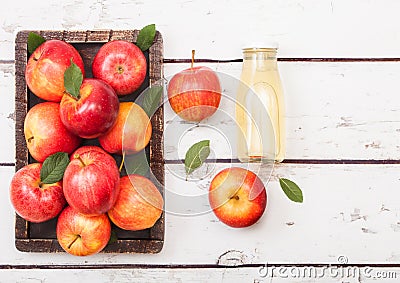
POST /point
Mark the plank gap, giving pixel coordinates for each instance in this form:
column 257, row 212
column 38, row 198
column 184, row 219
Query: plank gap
column 183, row 60
column 300, row 161
column 190, row 266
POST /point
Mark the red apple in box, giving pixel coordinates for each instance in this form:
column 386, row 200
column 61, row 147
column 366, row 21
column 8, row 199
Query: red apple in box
column 121, row 64
column 45, row 69
column 237, row 197
column 131, row 132
column 82, row 235
column 32, row 200
column 139, row 204
column 93, row 112
column 91, row 181
column 195, row 93
column 45, row 134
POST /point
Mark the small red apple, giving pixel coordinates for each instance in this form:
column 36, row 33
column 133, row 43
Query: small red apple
column 45, row 134
column 82, row 235
column 121, row 64
column 231, row 197
column 32, row 200
column 139, row 204
column 93, row 113
column 91, row 181
column 195, row 93
column 45, row 69
column 132, row 131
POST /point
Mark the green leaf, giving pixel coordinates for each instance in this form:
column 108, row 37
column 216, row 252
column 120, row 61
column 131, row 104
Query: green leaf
column 137, row 164
column 292, row 191
column 34, row 41
column 196, row 155
column 146, row 37
column 53, row 168
column 113, row 237
column 152, row 99
column 73, row 79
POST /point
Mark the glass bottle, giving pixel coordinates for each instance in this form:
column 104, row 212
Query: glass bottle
column 260, row 107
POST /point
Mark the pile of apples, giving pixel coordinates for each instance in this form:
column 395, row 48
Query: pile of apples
column 81, row 184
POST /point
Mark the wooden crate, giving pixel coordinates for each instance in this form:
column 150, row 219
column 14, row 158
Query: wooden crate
column 32, row 237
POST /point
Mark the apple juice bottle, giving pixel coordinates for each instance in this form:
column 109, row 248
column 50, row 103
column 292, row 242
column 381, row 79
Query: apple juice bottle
column 260, row 107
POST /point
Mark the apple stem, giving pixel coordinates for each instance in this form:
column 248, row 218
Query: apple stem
column 77, row 156
column 193, row 51
column 236, row 197
column 122, row 162
column 30, row 139
column 76, row 98
column 76, row 238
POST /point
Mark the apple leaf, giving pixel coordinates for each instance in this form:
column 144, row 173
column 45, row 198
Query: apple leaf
column 196, row 155
column 291, row 190
column 152, row 99
column 53, row 168
column 146, row 37
column 113, row 237
column 73, row 79
column 34, row 41
column 137, row 164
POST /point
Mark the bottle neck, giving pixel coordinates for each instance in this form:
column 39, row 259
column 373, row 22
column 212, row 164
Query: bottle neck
column 260, row 58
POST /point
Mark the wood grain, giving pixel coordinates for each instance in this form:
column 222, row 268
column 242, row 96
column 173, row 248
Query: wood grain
column 88, row 43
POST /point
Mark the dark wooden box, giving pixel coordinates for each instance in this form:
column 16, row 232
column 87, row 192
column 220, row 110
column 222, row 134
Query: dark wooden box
column 32, row 237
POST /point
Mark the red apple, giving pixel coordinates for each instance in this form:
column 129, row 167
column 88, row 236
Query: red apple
column 32, row 200
column 139, row 204
column 195, row 93
column 45, row 69
column 93, row 113
column 45, row 134
column 82, row 235
column 132, row 131
column 121, row 64
column 91, row 181
column 237, row 197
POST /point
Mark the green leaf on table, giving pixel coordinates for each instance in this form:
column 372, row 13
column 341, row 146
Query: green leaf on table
column 73, row 79
column 146, row 37
column 291, row 189
column 137, row 164
column 34, row 41
column 152, row 99
column 196, row 155
column 53, row 168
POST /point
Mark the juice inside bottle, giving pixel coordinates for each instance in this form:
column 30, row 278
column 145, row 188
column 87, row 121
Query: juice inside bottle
column 260, row 108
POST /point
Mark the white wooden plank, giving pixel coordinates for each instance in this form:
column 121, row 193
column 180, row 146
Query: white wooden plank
column 219, row 29
column 333, row 111
column 274, row 274
column 7, row 125
column 347, row 210
column 249, row 274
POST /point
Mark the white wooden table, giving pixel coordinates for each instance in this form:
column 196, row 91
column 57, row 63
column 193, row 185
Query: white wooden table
column 339, row 61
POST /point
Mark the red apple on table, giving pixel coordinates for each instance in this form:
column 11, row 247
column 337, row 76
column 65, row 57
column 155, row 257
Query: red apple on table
column 32, row 200
column 91, row 181
column 139, row 204
column 45, row 134
column 195, row 93
column 237, row 197
column 45, row 69
column 131, row 132
column 121, row 64
column 93, row 113
column 82, row 235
